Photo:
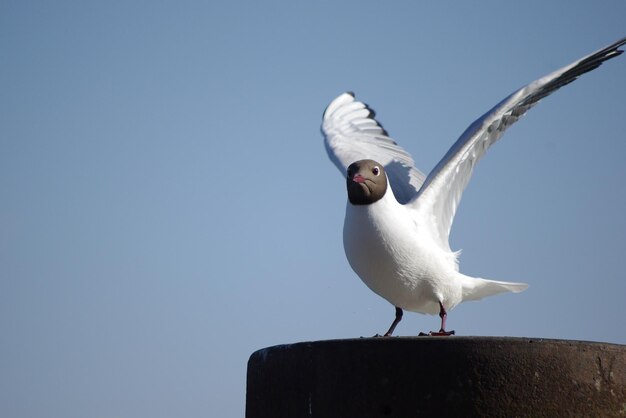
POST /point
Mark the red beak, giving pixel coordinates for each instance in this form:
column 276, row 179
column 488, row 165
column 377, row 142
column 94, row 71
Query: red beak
column 358, row 178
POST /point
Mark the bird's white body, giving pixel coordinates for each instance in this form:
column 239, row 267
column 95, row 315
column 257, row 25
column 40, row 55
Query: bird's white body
column 397, row 258
column 398, row 261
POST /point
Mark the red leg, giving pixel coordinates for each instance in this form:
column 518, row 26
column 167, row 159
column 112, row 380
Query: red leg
column 443, row 315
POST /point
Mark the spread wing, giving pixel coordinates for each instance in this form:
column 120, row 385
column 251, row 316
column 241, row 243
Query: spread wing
column 351, row 133
column 441, row 192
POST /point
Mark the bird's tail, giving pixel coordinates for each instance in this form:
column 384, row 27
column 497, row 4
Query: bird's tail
column 475, row 288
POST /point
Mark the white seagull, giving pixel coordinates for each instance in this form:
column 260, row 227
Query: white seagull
column 398, row 221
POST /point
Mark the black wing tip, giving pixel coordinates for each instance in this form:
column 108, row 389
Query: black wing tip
column 621, row 42
column 607, row 53
column 595, row 60
column 586, row 65
column 611, row 51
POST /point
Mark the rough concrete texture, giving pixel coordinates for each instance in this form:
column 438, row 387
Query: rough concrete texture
column 438, row 376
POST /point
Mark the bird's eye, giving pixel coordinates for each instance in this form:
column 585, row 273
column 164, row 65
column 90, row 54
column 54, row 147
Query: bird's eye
column 376, row 171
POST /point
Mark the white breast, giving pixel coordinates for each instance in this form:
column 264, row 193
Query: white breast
column 384, row 247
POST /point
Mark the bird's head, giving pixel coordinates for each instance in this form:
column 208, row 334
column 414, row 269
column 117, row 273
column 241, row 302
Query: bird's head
column 366, row 182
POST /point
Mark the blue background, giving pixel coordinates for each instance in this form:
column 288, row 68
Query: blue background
column 167, row 206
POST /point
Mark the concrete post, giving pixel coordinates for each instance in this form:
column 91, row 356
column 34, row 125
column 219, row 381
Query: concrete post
column 437, row 376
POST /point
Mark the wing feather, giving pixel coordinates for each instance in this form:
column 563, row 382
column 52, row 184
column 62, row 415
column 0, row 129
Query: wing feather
column 351, row 133
column 441, row 192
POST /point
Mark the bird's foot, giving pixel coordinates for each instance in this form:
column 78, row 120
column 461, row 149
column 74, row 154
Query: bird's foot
column 441, row 333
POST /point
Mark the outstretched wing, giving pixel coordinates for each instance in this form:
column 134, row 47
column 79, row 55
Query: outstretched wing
column 351, row 133
column 441, row 192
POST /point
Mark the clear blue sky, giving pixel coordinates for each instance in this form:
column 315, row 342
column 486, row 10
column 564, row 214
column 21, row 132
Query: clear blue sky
column 168, row 207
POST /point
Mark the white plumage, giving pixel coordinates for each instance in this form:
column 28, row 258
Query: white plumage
column 398, row 245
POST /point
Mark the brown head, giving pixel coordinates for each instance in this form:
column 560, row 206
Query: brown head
column 366, row 182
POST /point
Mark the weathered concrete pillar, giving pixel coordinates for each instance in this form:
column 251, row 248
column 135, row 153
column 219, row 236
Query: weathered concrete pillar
column 437, row 376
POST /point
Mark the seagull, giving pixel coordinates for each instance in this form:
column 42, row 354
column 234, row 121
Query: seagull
column 397, row 221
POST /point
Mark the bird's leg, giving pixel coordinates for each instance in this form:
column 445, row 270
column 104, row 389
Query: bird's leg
column 443, row 315
column 395, row 322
